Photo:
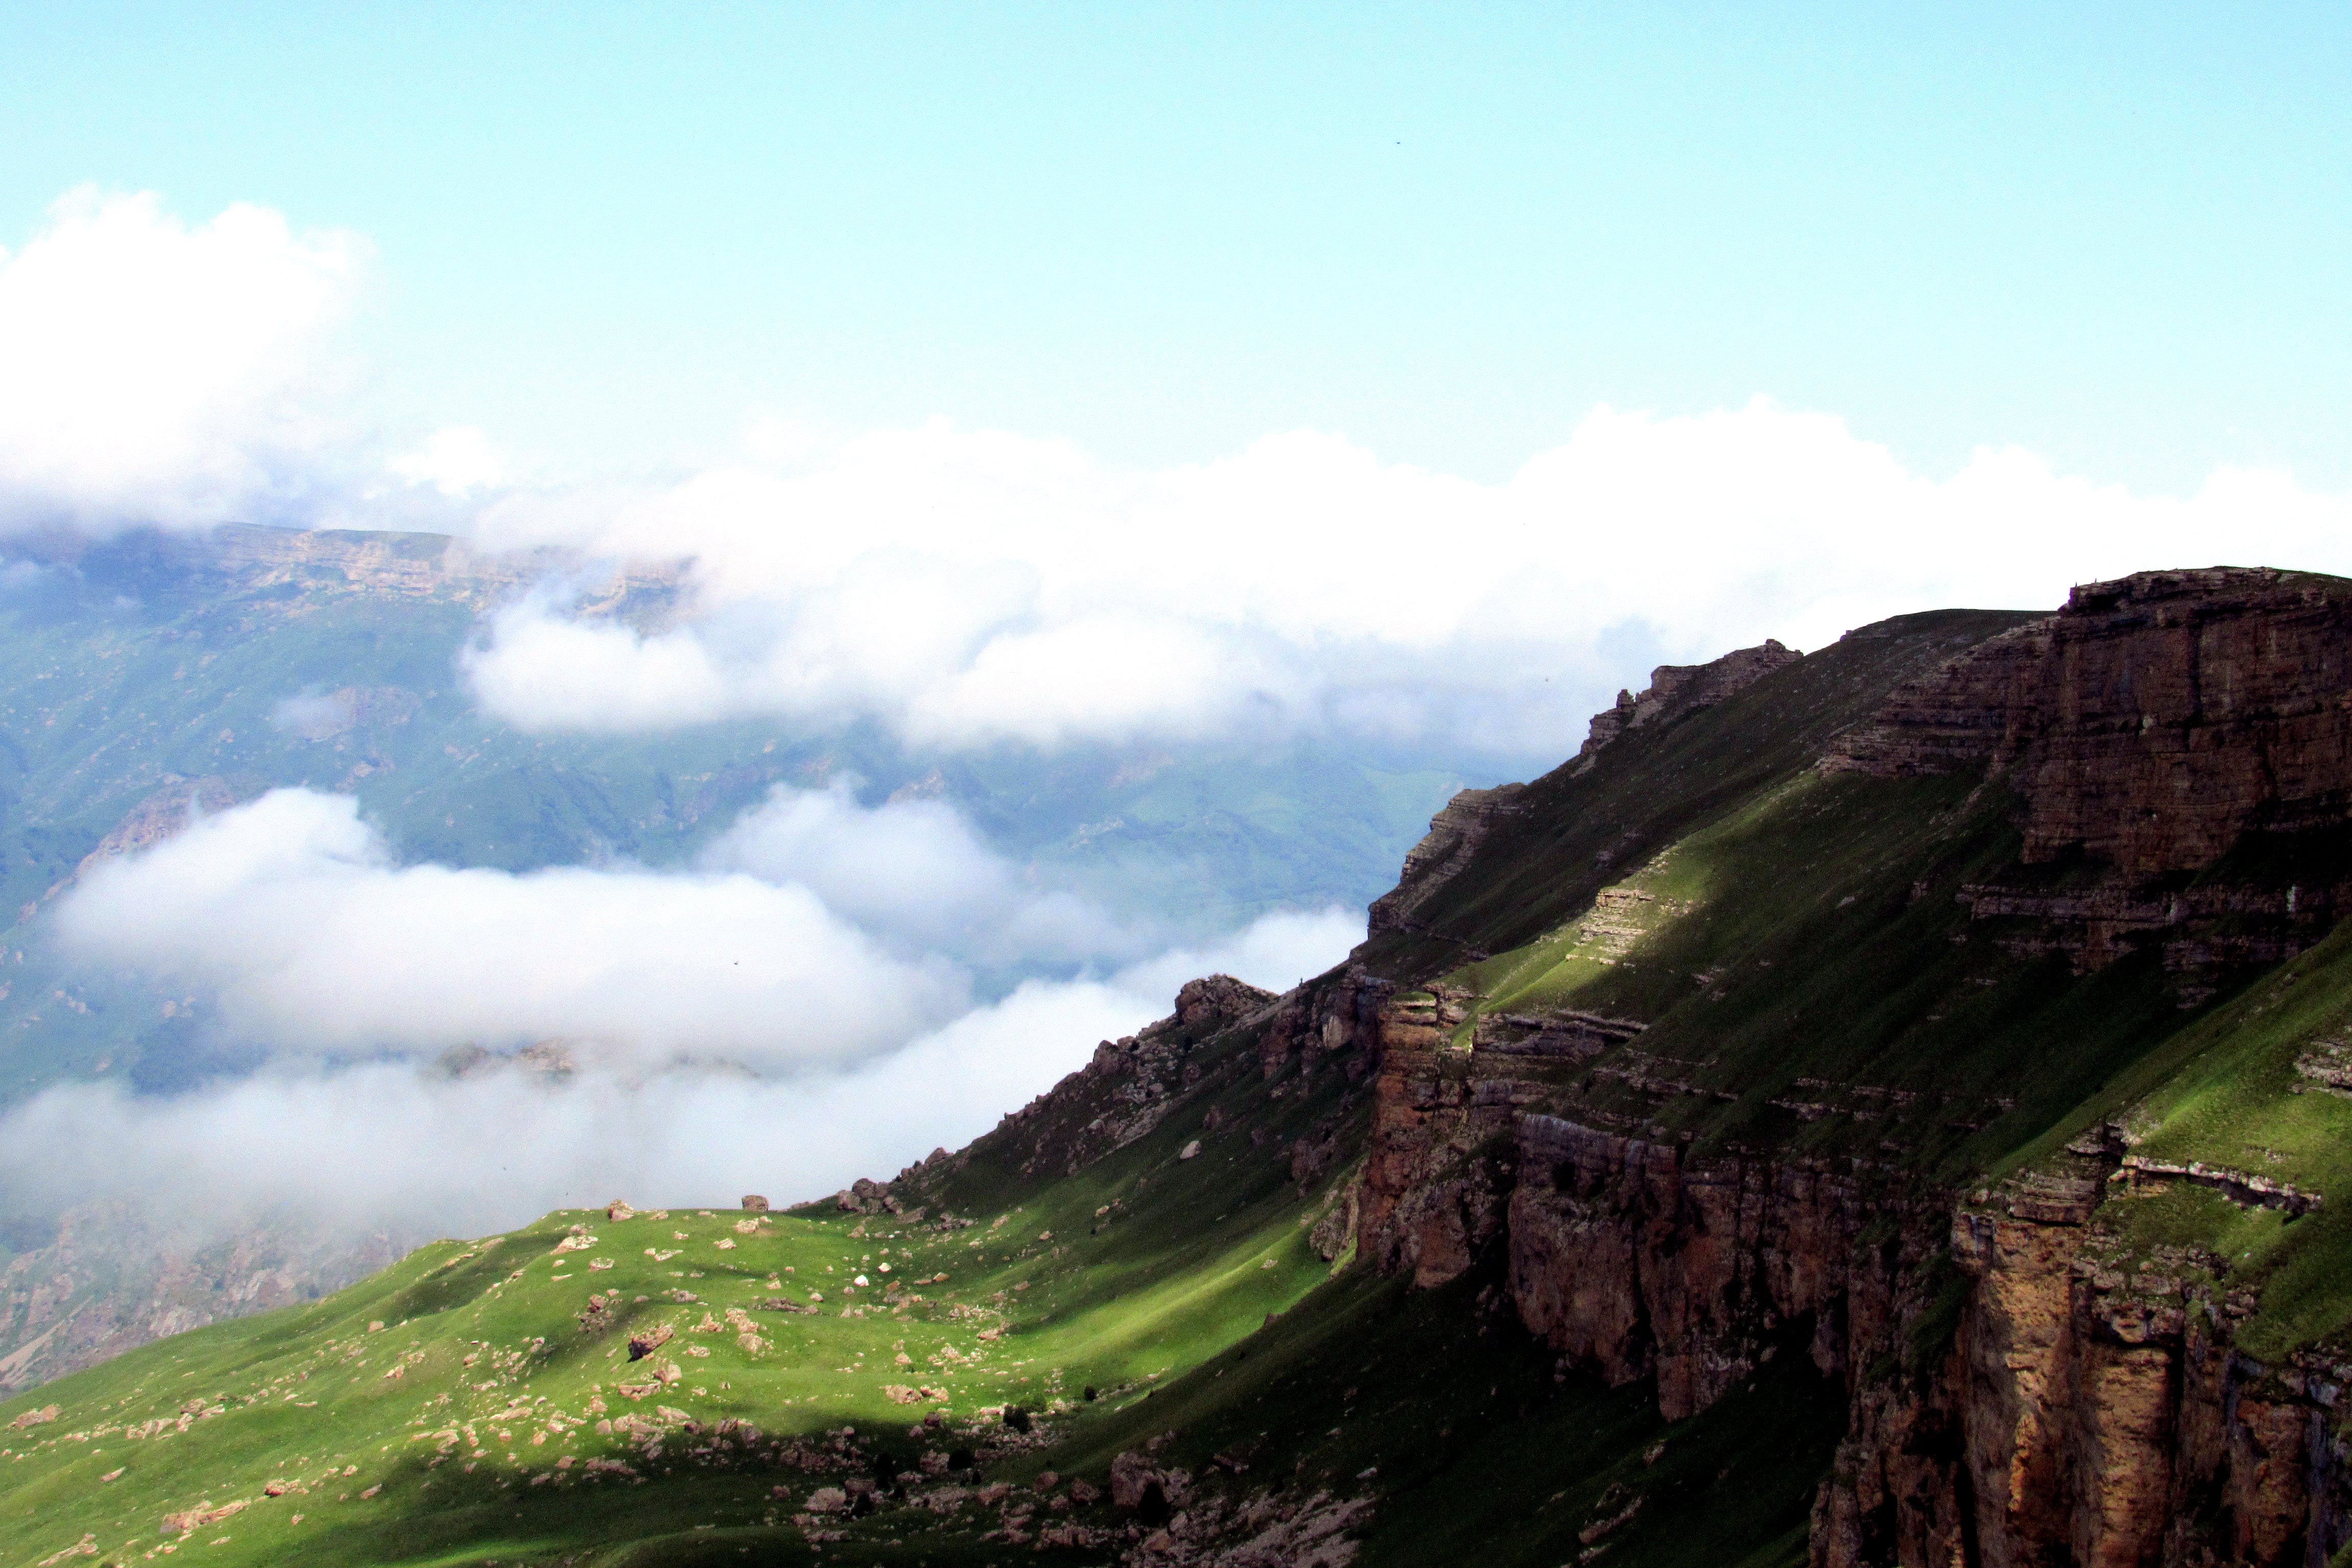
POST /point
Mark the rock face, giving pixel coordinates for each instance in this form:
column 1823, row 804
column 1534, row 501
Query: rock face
column 2149, row 727
column 1625, row 1256
column 2021, row 1394
column 2037, row 1406
column 1675, row 689
column 2151, row 723
column 1438, row 1171
column 1454, row 837
column 2081, row 1414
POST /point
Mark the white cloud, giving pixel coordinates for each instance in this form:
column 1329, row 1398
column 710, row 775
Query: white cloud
column 816, row 934
column 457, row 460
column 967, row 588
column 441, row 1156
column 152, row 372
column 915, row 873
column 288, row 910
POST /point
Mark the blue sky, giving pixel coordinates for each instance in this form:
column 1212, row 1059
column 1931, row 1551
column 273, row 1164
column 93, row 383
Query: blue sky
column 1023, row 377
column 2116, row 235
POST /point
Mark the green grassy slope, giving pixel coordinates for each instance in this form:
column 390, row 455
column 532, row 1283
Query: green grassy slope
column 1808, row 942
column 1184, row 1294
column 1042, row 1300
column 1576, row 831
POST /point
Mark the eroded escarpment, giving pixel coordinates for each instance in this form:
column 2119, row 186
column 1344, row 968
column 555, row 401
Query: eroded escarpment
column 1470, row 818
column 2153, row 726
column 2091, row 1408
column 1455, row 834
column 2150, row 722
column 2022, row 1389
column 2031, row 1380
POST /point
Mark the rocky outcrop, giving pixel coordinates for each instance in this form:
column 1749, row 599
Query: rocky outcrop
column 2151, row 723
column 1629, row 1259
column 2147, row 729
column 2090, row 1409
column 1217, row 1000
column 1455, row 834
column 1128, row 1089
column 2210, row 925
column 1675, row 689
column 2024, row 1391
column 1438, row 1163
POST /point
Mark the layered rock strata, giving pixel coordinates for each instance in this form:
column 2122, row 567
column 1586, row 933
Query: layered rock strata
column 1675, row 689
column 2086, row 1413
column 2022, row 1391
column 2149, row 723
column 1455, row 834
column 2018, row 1396
column 1467, row 820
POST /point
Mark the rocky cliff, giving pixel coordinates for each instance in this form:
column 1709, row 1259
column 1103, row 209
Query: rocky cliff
column 1675, row 689
column 2035, row 1373
column 2152, row 722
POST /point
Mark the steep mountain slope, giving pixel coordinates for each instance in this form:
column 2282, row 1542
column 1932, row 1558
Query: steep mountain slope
column 1885, row 1109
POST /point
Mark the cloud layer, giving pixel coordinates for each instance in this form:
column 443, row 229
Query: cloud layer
column 915, row 874
column 970, row 588
column 152, row 372
column 967, row 588
column 384, row 1143
column 785, row 1018
column 289, row 911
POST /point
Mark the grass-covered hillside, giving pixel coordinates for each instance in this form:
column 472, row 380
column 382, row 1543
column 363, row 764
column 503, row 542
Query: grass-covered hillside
column 717, row 1386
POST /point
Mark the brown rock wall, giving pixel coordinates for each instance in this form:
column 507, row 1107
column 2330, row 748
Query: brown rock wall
column 1454, row 837
column 1625, row 1258
column 2073, row 1422
column 2152, row 720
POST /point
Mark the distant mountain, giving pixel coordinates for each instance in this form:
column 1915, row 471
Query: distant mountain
column 1885, row 1107
column 150, row 678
